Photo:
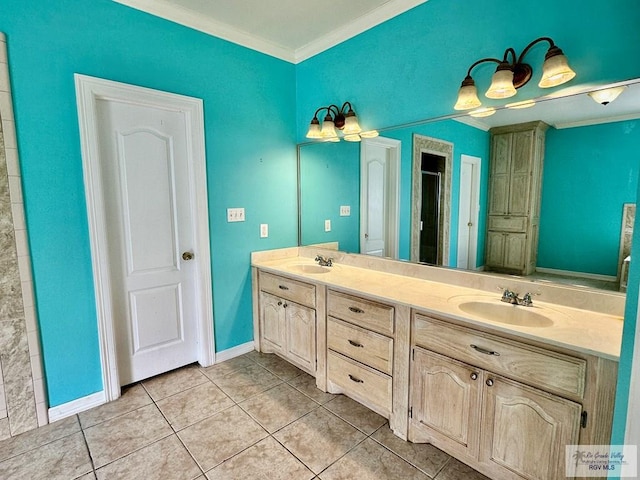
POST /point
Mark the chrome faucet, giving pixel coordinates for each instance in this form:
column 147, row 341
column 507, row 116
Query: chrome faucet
column 325, row 262
column 511, row 297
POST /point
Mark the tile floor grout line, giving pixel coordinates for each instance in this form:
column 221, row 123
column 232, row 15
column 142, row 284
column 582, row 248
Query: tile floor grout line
column 86, row 444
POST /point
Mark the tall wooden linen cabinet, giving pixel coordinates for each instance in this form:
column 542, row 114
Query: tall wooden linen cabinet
column 515, row 180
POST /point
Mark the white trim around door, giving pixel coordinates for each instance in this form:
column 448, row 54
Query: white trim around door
column 88, row 91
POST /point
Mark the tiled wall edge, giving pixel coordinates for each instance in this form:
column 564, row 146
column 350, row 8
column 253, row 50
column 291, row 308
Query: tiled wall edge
column 17, row 208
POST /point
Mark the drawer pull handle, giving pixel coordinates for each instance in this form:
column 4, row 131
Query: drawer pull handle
column 485, row 351
column 356, row 310
column 474, row 376
column 489, row 382
column 283, row 287
column 356, row 344
column 355, row 379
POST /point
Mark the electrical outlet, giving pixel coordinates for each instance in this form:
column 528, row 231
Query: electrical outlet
column 264, row 230
column 235, row 214
column 327, row 225
column 345, row 210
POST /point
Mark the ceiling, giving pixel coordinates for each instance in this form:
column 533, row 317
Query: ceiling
column 566, row 108
column 292, row 30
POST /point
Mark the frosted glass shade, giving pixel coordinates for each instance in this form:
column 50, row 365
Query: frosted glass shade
column 555, row 71
column 482, row 112
column 369, row 134
column 314, row 129
column 607, row 95
column 352, row 137
column 501, row 85
column 328, row 129
column 351, row 126
column 467, row 97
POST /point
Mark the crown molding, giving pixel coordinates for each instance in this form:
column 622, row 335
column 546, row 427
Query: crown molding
column 188, row 18
column 362, row 24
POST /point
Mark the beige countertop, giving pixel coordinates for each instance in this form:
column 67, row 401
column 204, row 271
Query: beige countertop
column 579, row 330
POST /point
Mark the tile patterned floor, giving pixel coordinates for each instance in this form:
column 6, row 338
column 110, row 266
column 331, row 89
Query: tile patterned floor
column 252, row 417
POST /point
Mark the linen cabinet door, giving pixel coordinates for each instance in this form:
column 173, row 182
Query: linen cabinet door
column 301, row 335
column 445, row 400
column 525, row 430
column 272, row 322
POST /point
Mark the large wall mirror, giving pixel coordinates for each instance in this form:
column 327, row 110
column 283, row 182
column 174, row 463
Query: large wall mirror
column 419, row 192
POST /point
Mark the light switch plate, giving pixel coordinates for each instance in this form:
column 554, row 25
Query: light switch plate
column 235, row 214
column 264, row 230
column 327, row 225
column 345, row 210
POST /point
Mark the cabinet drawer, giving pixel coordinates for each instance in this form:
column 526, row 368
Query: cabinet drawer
column 364, row 313
column 370, row 348
column 368, row 386
column 299, row 292
column 507, row 223
column 541, row 368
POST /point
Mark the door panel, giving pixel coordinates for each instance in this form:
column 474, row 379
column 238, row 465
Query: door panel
column 145, row 168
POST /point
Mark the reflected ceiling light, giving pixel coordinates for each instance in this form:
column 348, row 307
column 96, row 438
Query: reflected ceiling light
column 482, row 112
column 343, row 119
column 523, row 104
column 512, row 73
column 369, row 134
column 606, row 96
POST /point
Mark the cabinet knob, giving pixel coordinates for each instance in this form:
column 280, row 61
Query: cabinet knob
column 474, row 376
column 285, row 305
column 489, row 382
column 279, row 303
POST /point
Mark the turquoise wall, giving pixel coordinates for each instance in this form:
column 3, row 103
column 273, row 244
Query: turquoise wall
column 248, row 100
column 329, row 178
column 589, row 172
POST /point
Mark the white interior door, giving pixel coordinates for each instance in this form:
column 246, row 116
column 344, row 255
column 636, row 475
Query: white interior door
column 143, row 157
column 468, row 212
column 150, row 237
column 379, row 197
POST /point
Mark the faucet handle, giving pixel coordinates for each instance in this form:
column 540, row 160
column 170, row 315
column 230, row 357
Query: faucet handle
column 527, row 301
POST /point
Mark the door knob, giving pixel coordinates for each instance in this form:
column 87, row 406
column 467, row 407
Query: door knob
column 187, row 256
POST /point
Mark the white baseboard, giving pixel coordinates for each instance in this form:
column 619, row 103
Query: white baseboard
column 85, row 403
column 568, row 273
column 235, row 352
column 76, row 406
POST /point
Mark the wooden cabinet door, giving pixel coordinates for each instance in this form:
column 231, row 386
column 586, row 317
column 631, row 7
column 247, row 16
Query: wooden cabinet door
column 495, row 249
column 272, row 322
column 445, row 397
column 520, row 173
column 515, row 246
column 500, row 174
column 525, row 430
column 300, row 328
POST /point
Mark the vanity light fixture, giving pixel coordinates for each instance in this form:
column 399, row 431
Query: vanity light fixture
column 606, row 96
column 512, row 73
column 343, row 119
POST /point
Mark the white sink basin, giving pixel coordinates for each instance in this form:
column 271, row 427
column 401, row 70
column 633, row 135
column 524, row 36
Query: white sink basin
column 496, row 311
column 310, row 268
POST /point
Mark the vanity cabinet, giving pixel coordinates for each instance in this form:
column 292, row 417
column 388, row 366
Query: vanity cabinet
column 517, row 153
column 288, row 320
column 360, row 340
column 506, row 408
